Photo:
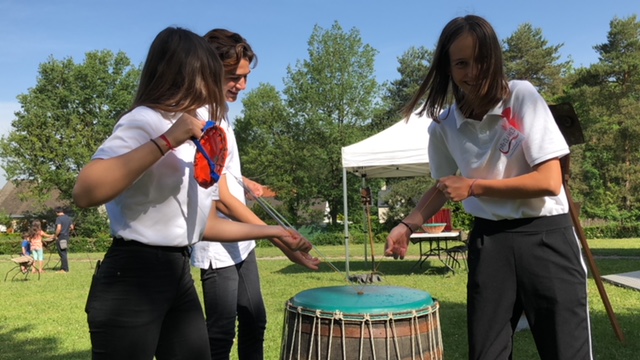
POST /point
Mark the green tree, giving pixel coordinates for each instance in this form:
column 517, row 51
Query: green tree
column 328, row 99
column 413, row 66
column 528, row 56
column 607, row 97
column 263, row 133
column 64, row 118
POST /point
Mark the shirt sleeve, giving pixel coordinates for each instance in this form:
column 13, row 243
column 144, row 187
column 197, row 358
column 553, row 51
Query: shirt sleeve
column 543, row 138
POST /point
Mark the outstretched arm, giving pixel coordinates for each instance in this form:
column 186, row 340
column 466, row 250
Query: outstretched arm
column 235, row 209
column 223, row 230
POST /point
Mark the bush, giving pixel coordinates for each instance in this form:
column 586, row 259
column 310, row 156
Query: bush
column 613, row 231
column 12, row 245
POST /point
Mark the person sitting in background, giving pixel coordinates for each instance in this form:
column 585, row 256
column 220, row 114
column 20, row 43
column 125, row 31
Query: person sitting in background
column 26, row 249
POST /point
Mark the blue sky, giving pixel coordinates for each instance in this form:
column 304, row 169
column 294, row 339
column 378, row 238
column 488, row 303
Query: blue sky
column 278, row 30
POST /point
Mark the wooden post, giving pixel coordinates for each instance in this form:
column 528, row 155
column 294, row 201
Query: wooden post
column 564, row 163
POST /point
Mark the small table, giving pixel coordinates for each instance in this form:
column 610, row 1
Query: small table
column 438, row 244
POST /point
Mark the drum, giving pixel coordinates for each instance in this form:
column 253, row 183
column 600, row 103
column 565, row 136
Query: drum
column 355, row 322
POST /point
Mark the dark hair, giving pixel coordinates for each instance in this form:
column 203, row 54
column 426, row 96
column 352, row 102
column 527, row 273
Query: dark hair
column 59, row 209
column 231, row 47
column 493, row 85
column 182, row 73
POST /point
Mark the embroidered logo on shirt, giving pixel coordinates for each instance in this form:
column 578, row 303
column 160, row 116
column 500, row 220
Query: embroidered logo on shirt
column 512, row 137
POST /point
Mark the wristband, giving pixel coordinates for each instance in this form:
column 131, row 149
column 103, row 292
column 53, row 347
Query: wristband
column 471, row 192
column 407, row 225
column 166, row 141
column 158, row 146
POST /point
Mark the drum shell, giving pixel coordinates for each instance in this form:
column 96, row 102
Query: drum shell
column 318, row 335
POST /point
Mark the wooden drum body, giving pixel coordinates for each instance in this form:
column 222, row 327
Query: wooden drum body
column 371, row 322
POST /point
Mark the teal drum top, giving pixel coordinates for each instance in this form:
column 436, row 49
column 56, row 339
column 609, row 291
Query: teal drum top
column 363, row 299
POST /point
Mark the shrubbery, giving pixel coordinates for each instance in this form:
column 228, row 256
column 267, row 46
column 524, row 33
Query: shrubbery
column 613, row 231
column 12, row 245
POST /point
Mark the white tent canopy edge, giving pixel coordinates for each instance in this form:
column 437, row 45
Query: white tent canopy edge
column 401, row 150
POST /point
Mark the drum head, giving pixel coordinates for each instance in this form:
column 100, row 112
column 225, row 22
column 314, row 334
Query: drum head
column 363, row 300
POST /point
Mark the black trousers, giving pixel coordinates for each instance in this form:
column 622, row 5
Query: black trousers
column 230, row 291
column 64, row 259
column 533, row 265
column 143, row 303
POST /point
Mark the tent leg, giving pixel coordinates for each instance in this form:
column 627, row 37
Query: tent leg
column 346, row 221
column 366, row 258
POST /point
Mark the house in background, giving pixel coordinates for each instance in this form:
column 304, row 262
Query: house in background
column 18, row 209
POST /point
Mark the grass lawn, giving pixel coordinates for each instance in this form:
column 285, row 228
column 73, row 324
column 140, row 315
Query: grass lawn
column 44, row 318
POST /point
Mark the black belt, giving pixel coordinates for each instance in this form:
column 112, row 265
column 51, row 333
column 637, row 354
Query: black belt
column 523, row 224
column 120, row 242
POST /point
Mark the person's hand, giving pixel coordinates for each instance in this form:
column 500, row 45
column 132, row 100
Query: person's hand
column 455, row 188
column 185, row 128
column 397, row 242
column 295, row 241
column 256, row 189
column 304, row 259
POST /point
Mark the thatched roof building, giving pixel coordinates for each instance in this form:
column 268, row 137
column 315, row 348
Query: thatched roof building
column 15, row 203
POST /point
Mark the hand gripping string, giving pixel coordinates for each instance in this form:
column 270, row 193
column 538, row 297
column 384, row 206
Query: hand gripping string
column 275, row 215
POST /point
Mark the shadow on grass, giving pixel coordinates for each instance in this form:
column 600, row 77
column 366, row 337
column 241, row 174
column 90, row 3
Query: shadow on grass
column 615, row 252
column 40, row 348
column 383, row 267
column 608, row 266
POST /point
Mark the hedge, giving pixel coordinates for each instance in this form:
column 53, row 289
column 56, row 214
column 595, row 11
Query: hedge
column 10, row 244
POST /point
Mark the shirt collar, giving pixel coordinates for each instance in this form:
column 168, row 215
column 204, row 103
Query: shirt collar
column 461, row 119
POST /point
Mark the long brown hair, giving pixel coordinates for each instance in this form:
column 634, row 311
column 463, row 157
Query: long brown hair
column 437, row 89
column 231, row 47
column 35, row 229
column 181, row 74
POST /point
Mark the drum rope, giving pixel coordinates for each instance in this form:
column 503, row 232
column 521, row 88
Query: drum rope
column 371, row 336
column 330, row 336
column 361, row 340
column 275, row 215
column 285, row 331
column 439, row 335
column 344, row 337
column 395, row 336
column 297, row 332
column 387, row 339
column 429, row 348
column 416, row 322
column 432, row 337
column 412, row 327
column 316, row 320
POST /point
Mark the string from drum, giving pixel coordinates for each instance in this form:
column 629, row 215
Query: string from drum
column 282, row 221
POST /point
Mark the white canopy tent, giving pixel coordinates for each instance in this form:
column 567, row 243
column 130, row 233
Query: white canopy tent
column 398, row 151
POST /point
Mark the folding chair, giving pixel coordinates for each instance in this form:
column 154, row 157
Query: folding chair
column 21, row 262
column 456, row 255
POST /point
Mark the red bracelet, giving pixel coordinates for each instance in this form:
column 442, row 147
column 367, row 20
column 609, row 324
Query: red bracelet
column 166, row 141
